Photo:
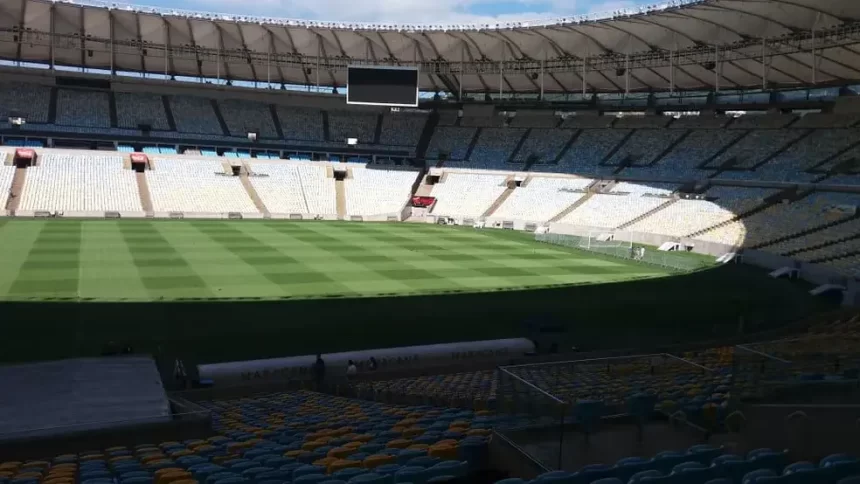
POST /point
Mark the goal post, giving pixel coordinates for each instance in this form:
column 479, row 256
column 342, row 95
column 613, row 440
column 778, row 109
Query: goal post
column 600, row 240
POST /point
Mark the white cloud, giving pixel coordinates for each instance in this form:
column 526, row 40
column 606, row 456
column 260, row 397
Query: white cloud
column 409, row 11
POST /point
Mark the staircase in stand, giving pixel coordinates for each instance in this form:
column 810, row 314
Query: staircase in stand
column 17, row 189
column 340, row 195
column 143, row 191
column 519, row 147
column 472, row 144
column 275, row 119
column 112, row 110
column 704, row 165
column 617, row 147
column 769, row 202
column 171, row 122
column 806, row 232
column 252, row 192
column 826, row 244
column 670, row 148
column 220, row 117
column 649, row 213
column 498, row 203
column 567, row 146
column 572, row 207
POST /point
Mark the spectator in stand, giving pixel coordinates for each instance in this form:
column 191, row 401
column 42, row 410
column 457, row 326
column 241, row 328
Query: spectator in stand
column 372, row 365
column 319, row 370
column 351, row 370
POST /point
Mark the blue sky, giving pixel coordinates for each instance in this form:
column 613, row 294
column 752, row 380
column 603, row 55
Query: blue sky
column 402, row 11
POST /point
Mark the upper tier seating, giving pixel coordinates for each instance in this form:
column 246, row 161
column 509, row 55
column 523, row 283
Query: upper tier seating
column 645, row 145
column 345, row 124
column 83, row 108
column 756, row 147
column 137, row 108
column 610, row 211
column 545, row 144
column 243, row 117
column 467, row 195
column 695, row 149
column 638, row 122
column 761, row 121
column 373, row 191
column 494, row 147
column 818, row 146
column 542, row 198
column 451, row 141
column 194, row 115
column 196, row 185
column 301, row 124
column 402, row 129
column 31, row 101
column 589, row 149
column 700, row 122
column 587, row 121
column 526, row 121
column 80, row 183
column 826, row 120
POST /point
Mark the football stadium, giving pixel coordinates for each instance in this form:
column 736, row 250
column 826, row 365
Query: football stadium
column 599, row 249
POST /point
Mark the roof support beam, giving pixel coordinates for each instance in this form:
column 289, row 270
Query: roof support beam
column 140, row 49
column 83, row 39
column 196, row 49
column 247, row 52
column 53, row 26
column 21, row 16
column 169, row 66
column 295, row 52
column 274, row 52
column 222, row 59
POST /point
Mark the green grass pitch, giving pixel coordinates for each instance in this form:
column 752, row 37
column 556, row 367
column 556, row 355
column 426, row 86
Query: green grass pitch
column 152, row 260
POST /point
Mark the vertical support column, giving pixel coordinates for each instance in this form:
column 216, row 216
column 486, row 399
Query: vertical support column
column 584, row 62
column 671, row 71
column 269, row 61
column 716, row 68
column 319, row 54
column 542, row 61
column 53, row 15
column 627, row 67
column 460, row 83
column 813, row 55
column 166, row 48
column 763, row 64
column 501, row 71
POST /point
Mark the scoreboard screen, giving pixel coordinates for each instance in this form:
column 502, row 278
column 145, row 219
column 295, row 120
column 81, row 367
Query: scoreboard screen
column 382, row 86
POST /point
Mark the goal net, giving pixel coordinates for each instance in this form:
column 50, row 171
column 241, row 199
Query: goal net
column 599, row 240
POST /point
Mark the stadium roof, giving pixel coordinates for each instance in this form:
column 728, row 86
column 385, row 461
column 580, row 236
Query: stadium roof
column 694, row 45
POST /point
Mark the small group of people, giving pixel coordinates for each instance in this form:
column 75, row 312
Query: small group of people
column 351, row 368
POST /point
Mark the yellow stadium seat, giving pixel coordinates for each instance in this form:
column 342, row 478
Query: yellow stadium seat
column 399, row 444
column 341, row 452
column 324, row 462
column 309, row 446
column 377, row 460
column 341, row 464
column 418, row 447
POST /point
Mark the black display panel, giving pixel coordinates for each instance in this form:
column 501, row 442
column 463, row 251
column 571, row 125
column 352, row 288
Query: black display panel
column 382, row 86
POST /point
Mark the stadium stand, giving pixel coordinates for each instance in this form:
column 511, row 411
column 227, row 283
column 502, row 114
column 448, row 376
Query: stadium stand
column 344, row 124
column 588, row 150
column 134, row 109
column 402, row 129
column 196, row 186
column 542, row 198
column 467, row 195
column 301, row 124
column 31, row 101
column 450, row 142
column 644, row 146
column 281, row 188
column 754, row 148
column 7, row 173
column 697, row 148
column 610, row 211
column 243, row 117
column 543, row 144
column 89, row 109
column 494, row 147
column 373, row 191
column 194, row 115
column 80, row 183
